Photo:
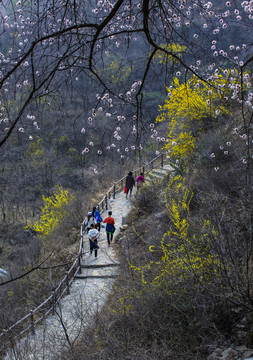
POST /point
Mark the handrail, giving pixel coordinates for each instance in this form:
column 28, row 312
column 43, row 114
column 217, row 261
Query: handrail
column 57, row 294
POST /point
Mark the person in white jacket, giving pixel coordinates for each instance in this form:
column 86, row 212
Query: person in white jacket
column 89, row 220
column 93, row 235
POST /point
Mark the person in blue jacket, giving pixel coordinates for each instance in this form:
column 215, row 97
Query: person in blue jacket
column 97, row 217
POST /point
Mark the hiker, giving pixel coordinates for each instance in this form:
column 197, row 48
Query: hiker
column 93, row 235
column 97, row 217
column 130, row 183
column 140, row 180
column 89, row 220
column 110, row 228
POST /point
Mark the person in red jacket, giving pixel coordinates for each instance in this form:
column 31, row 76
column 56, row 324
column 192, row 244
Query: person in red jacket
column 110, row 228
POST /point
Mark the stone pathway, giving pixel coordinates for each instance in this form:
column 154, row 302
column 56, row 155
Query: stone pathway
column 88, row 294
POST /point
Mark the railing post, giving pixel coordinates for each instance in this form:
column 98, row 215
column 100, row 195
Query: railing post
column 82, row 247
column 122, row 184
column 53, row 302
column 102, row 204
column 109, row 194
column 32, row 322
column 162, row 160
column 114, row 190
column 67, row 283
column 79, row 265
column 143, row 170
column 81, row 240
column 106, row 202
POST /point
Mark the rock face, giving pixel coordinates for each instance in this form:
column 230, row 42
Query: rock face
column 232, row 353
column 4, row 275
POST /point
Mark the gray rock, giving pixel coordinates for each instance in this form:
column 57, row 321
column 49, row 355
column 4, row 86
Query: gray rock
column 123, row 227
column 124, row 221
column 230, row 354
column 159, row 216
column 242, row 336
column 242, row 348
column 248, row 355
column 12, row 242
column 216, row 354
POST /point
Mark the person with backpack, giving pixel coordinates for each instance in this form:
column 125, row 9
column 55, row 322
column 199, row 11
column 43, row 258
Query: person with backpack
column 89, row 220
column 130, row 183
column 93, row 235
column 110, row 228
column 97, row 216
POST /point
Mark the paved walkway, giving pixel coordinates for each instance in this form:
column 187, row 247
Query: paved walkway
column 88, row 294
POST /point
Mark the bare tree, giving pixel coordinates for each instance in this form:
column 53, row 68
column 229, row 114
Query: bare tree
column 44, row 40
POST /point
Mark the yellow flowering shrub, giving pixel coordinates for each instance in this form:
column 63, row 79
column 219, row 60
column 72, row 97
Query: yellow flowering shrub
column 184, row 253
column 117, row 71
column 176, row 49
column 36, row 153
column 53, row 211
column 193, row 107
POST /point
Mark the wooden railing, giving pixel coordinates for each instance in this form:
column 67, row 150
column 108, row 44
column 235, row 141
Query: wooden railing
column 28, row 322
column 118, row 186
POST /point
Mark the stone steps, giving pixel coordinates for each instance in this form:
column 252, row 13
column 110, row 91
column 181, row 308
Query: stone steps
column 98, row 270
column 157, row 175
column 97, row 266
column 81, row 276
